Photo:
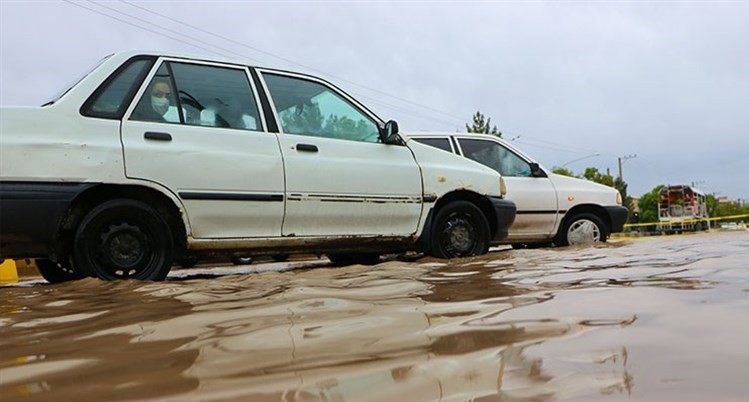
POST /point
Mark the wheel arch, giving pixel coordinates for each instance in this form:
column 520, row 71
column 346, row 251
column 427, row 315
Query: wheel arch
column 165, row 204
column 478, row 200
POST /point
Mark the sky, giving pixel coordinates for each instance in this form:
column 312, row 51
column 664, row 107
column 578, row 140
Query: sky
column 663, row 86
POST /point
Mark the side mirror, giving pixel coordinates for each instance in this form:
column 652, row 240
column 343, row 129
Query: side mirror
column 389, row 134
column 536, row 170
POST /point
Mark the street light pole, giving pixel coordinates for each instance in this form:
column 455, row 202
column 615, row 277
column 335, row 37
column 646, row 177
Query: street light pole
column 622, row 159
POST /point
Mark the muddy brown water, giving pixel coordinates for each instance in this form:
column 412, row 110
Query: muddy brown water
column 654, row 319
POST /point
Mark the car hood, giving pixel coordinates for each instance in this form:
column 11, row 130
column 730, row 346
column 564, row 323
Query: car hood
column 580, row 189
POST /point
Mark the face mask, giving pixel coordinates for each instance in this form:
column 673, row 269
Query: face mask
column 160, row 105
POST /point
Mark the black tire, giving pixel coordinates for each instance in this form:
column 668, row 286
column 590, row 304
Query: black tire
column 582, row 228
column 341, row 260
column 55, row 272
column 241, row 260
column 124, row 239
column 280, row 257
column 460, row 230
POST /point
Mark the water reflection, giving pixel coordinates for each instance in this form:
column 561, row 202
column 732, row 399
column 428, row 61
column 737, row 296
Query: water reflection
column 519, row 325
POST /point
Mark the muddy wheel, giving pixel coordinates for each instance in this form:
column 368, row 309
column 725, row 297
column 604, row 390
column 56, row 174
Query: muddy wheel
column 241, row 260
column 354, row 258
column 55, row 272
column 584, row 228
column 124, row 239
column 460, row 230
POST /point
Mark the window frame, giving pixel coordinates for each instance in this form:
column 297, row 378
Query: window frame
column 379, row 123
column 130, row 96
column 500, row 143
column 446, row 138
column 262, row 128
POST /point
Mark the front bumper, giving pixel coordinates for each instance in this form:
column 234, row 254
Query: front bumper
column 505, row 214
column 618, row 216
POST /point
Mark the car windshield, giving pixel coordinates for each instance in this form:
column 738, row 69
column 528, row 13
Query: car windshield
column 75, row 82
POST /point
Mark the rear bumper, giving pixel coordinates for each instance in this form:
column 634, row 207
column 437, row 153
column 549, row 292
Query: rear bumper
column 30, row 216
column 618, row 216
column 505, row 211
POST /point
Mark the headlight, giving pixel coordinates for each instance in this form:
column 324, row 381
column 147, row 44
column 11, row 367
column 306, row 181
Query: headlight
column 502, row 187
column 619, row 198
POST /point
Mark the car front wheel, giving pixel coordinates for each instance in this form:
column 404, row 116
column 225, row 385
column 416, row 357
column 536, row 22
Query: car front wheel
column 124, row 239
column 460, row 230
column 584, row 228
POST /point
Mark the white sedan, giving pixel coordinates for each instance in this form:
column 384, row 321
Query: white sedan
column 551, row 208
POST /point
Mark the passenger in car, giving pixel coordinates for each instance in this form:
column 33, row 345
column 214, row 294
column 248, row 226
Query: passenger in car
column 154, row 108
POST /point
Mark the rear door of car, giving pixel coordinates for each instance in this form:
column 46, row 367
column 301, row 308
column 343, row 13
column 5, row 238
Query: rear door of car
column 340, row 179
column 211, row 148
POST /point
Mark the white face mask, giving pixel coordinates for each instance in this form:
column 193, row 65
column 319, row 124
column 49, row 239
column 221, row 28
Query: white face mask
column 160, row 105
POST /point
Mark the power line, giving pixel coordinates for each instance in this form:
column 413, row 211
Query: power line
column 137, row 26
column 291, row 61
column 173, row 31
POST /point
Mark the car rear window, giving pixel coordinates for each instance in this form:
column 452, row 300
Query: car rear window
column 110, row 100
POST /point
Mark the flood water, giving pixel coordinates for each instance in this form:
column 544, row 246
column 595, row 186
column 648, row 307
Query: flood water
column 652, row 319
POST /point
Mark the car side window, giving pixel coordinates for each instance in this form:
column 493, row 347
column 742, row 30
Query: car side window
column 111, row 99
column 199, row 95
column 309, row 108
column 441, row 143
column 497, row 157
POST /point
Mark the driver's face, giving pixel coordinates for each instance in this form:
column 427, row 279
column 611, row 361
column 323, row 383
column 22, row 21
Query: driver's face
column 161, row 90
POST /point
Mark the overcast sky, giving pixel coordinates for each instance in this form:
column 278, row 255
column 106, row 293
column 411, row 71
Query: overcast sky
column 665, row 81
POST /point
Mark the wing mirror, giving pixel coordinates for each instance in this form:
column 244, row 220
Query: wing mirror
column 389, row 134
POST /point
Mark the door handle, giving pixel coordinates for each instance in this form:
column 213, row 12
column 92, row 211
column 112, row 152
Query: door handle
column 306, row 147
column 152, row 135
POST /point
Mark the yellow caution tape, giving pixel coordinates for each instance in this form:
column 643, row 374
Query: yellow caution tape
column 719, row 218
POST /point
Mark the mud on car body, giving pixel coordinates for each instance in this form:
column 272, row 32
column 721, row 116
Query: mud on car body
column 150, row 158
column 551, row 208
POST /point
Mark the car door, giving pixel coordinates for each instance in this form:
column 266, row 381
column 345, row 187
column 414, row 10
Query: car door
column 340, row 179
column 535, row 197
column 196, row 130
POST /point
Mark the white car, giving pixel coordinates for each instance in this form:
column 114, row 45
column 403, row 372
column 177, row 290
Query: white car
column 551, row 208
column 153, row 157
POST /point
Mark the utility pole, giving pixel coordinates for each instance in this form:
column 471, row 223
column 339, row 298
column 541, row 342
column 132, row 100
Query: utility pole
column 622, row 159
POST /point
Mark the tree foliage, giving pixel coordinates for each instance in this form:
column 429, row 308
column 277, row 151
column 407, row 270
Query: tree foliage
column 563, row 171
column 482, row 125
column 649, row 205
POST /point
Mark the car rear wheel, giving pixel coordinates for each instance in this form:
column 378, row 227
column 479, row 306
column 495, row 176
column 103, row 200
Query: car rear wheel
column 55, row 272
column 124, row 239
column 583, row 228
column 460, row 230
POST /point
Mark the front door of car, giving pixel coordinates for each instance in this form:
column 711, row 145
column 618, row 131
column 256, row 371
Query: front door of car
column 535, row 197
column 340, row 180
column 196, row 130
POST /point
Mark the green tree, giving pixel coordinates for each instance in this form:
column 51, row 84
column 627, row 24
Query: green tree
column 621, row 186
column 593, row 174
column 482, row 125
column 563, row 171
column 649, row 205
